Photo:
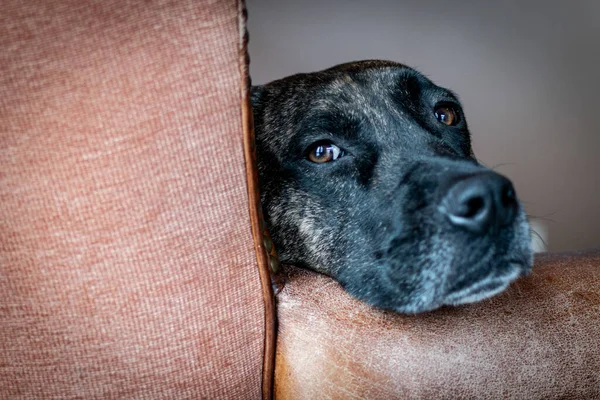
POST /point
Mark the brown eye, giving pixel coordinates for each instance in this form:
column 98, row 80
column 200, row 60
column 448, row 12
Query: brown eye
column 447, row 115
column 324, row 152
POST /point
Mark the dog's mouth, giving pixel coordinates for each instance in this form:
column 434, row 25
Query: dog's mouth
column 487, row 287
column 460, row 266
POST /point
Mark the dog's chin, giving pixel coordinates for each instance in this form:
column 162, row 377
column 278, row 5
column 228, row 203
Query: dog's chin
column 487, row 287
column 498, row 280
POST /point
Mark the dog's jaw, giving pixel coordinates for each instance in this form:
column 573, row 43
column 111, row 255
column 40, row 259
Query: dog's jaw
column 517, row 263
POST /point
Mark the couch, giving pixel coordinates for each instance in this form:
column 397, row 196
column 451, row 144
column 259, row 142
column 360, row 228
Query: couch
column 134, row 262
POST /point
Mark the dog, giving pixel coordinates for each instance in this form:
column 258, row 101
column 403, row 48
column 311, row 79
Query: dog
column 367, row 174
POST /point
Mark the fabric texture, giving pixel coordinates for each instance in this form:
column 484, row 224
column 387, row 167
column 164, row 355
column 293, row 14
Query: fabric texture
column 127, row 263
column 537, row 340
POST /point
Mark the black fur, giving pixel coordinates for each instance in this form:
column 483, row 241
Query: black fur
column 375, row 219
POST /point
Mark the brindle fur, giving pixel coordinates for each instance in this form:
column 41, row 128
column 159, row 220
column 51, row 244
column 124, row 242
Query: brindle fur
column 372, row 219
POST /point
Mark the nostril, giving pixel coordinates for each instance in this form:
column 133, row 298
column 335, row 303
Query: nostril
column 469, row 207
column 508, row 195
column 474, row 206
column 509, row 205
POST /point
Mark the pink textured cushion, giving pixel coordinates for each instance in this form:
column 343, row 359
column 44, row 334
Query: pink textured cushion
column 127, row 265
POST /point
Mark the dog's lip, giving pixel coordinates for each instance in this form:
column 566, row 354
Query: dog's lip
column 489, row 286
column 524, row 264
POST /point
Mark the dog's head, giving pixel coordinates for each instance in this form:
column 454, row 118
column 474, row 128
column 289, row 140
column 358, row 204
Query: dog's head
column 367, row 174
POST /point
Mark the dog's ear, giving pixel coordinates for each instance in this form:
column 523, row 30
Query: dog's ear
column 255, row 95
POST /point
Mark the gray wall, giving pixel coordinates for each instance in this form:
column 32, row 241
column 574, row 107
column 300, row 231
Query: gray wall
column 527, row 72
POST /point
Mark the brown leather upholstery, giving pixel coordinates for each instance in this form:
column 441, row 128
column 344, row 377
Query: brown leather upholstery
column 127, row 263
column 538, row 340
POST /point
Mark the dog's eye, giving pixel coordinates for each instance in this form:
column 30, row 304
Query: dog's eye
column 323, row 152
column 447, row 114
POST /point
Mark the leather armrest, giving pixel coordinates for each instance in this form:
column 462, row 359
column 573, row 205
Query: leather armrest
column 539, row 339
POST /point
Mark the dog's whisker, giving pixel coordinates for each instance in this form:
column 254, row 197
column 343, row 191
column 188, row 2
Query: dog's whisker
column 543, row 218
column 498, row 166
column 536, row 234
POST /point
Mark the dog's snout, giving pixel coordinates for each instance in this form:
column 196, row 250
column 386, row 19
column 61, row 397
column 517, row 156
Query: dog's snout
column 481, row 202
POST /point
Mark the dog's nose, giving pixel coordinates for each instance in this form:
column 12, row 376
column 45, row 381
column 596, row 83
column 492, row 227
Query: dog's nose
column 481, row 202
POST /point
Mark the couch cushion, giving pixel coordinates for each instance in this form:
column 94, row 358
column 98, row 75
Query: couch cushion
column 127, row 265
